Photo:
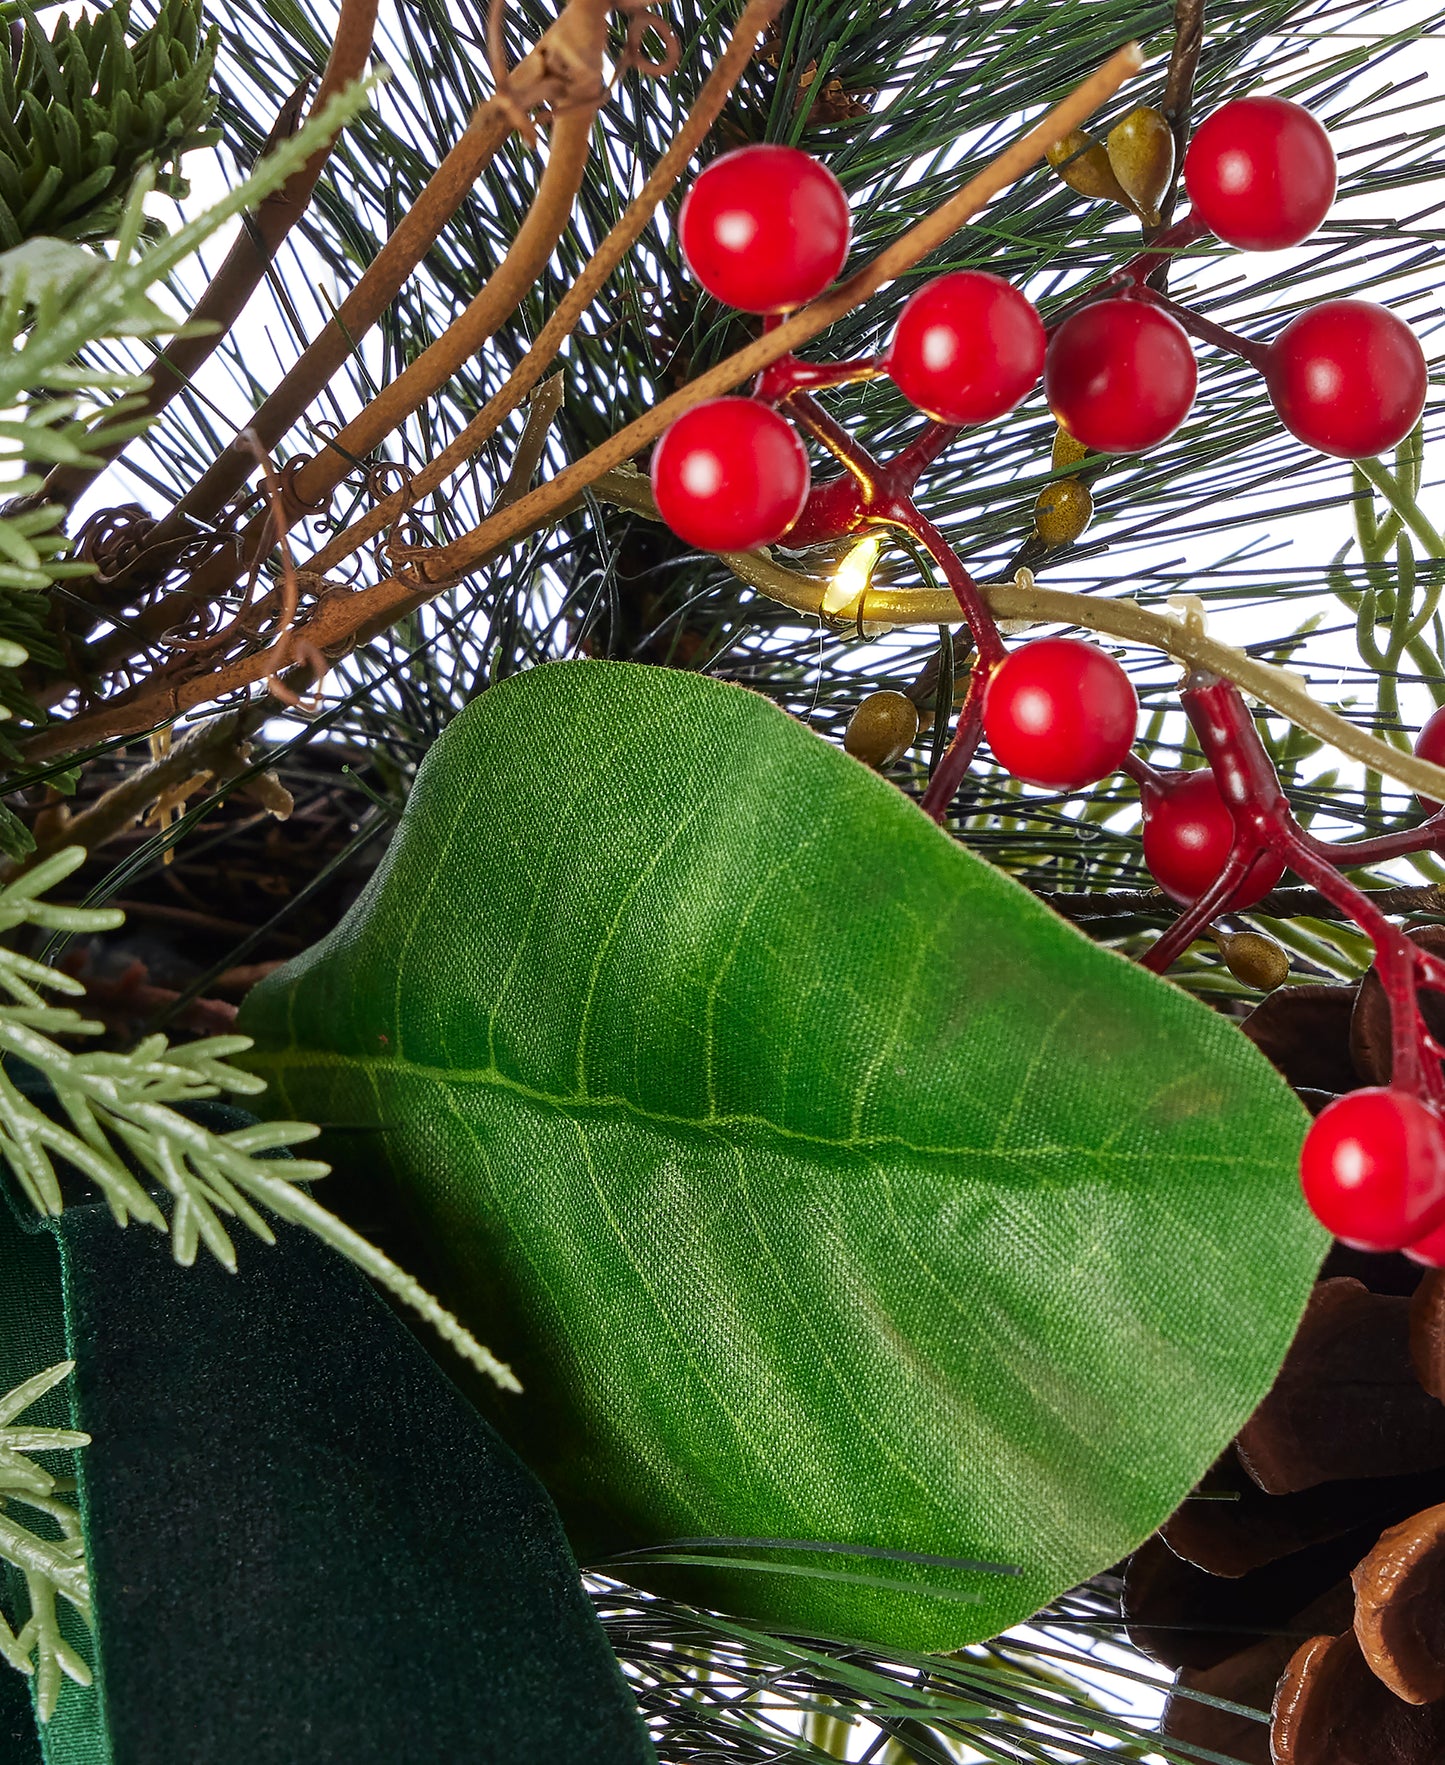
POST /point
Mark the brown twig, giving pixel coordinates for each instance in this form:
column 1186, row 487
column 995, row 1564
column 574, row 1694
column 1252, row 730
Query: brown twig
column 342, row 618
column 207, row 748
column 541, row 414
column 414, row 236
column 498, row 299
column 255, row 246
column 1179, row 93
column 608, row 255
column 555, row 71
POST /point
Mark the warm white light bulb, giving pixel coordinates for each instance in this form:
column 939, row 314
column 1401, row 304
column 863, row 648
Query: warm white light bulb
column 852, row 577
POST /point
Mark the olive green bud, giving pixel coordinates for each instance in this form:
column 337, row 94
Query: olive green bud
column 1063, row 511
column 1090, row 172
column 1141, row 155
column 1252, row 957
column 1066, row 451
column 884, row 726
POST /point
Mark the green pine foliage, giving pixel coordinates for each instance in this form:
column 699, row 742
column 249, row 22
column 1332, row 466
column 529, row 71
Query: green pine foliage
column 83, row 109
column 40, row 1540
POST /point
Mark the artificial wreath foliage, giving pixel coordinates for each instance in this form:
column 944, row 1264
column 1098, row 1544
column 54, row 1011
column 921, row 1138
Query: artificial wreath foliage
column 442, row 414
column 83, row 107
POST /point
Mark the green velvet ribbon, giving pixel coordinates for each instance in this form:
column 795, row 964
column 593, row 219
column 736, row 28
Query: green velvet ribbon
column 305, row 1542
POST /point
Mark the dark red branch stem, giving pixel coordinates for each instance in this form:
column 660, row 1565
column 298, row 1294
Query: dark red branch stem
column 1429, row 836
column 958, row 756
column 1137, row 271
column 1256, row 354
column 1250, row 787
column 914, row 460
column 872, row 476
column 788, row 375
column 1193, row 920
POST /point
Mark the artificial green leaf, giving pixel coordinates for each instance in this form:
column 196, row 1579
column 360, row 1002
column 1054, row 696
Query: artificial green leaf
column 819, row 1183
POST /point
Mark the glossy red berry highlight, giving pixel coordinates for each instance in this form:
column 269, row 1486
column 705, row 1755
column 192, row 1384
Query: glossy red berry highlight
column 968, row 347
column 1430, row 745
column 1059, row 713
column 765, row 228
column 1348, row 378
column 1373, row 1169
column 1188, row 836
column 1260, row 173
column 730, row 475
column 1120, row 376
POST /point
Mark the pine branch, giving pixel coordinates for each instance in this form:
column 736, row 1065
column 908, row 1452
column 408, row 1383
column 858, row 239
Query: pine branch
column 51, row 1567
column 123, row 1119
column 84, row 109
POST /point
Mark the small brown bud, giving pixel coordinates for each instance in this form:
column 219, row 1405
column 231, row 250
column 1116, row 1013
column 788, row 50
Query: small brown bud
column 883, row 727
column 1063, row 511
column 1257, row 960
column 1140, row 152
column 1090, row 173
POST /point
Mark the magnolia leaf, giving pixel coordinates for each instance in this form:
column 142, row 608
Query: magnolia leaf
column 820, row 1184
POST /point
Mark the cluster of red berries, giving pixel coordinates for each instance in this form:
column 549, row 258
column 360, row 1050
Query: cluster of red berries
column 766, row 229
column 1374, row 1160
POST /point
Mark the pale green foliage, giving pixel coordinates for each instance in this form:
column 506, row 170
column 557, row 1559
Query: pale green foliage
column 82, row 109
column 123, row 1122
column 120, row 1104
column 52, row 1567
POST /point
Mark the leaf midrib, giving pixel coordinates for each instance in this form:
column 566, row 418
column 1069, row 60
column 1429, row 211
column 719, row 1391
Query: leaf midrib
column 716, row 1126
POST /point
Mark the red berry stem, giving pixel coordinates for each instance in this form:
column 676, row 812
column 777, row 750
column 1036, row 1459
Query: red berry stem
column 788, row 375
column 984, row 631
column 882, row 498
column 1137, row 271
column 1429, row 836
column 834, row 509
column 1215, row 900
column 872, row 476
column 1246, row 779
column 1142, row 773
column 958, row 756
column 911, row 462
column 1206, row 329
column 877, row 493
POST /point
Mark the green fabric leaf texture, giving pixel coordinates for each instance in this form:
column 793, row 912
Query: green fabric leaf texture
column 818, row 1182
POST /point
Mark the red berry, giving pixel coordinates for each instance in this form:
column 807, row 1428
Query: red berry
column 1373, row 1169
column 1120, row 376
column 1059, row 713
column 968, row 347
column 765, row 228
column 1347, row 377
column 1188, row 836
column 1429, row 1250
column 1260, row 173
column 730, row 475
column 1430, row 745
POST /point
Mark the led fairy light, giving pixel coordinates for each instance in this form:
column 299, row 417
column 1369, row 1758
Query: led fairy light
column 765, row 230
column 850, row 581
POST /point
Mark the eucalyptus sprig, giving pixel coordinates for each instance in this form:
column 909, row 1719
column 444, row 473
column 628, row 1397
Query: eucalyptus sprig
column 52, row 1568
